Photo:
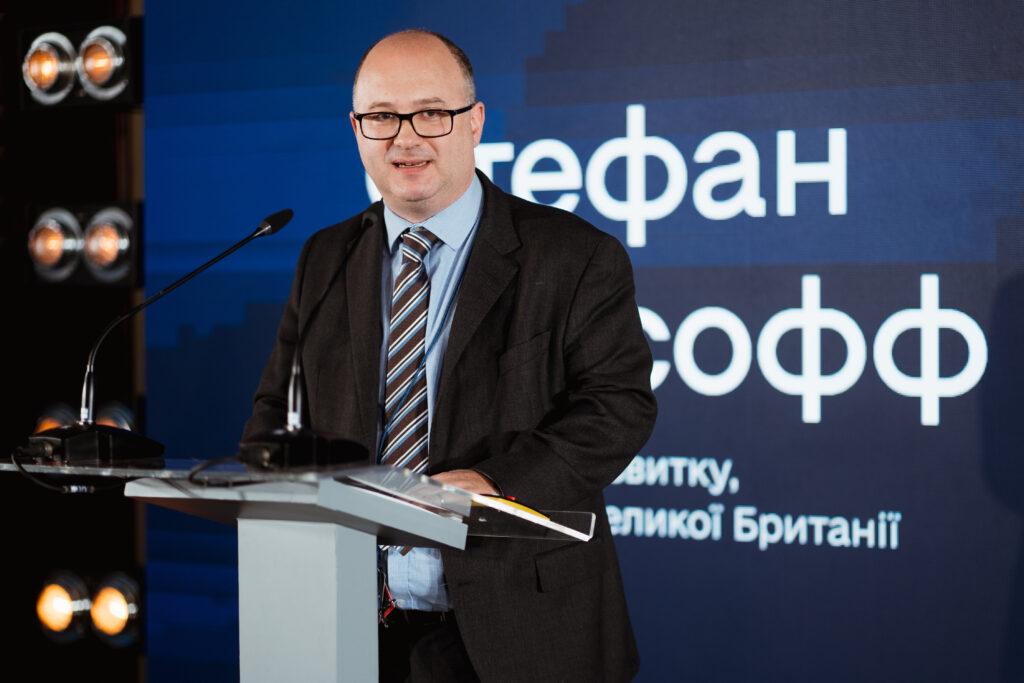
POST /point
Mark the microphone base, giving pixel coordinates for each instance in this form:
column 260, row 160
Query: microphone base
column 94, row 444
column 282, row 449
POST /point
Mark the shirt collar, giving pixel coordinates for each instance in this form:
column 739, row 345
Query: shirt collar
column 452, row 225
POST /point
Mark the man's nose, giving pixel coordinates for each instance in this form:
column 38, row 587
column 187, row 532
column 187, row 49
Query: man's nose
column 407, row 134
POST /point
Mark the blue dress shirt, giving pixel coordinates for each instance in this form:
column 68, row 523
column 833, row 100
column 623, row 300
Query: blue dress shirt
column 416, row 579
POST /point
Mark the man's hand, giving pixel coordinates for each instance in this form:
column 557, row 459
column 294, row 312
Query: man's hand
column 470, row 480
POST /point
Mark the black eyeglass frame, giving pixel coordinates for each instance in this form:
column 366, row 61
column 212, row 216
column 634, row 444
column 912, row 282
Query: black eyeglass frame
column 452, row 113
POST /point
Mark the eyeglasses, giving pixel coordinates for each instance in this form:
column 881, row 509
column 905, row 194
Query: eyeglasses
column 429, row 123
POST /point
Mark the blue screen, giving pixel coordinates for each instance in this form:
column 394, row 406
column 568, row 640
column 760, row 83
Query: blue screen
column 822, row 204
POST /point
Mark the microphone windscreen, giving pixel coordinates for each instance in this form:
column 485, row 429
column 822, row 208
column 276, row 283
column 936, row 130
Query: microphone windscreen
column 275, row 221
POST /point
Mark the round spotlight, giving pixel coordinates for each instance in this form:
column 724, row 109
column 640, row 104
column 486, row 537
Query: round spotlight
column 115, row 609
column 42, row 66
column 48, row 68
column 54, row 244
column 107, row 241
column 62, row 606
column 100, row 60
column 100, row 63
column 55, row 415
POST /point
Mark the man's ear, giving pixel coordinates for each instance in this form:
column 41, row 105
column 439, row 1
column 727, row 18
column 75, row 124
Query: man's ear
column 476, row 121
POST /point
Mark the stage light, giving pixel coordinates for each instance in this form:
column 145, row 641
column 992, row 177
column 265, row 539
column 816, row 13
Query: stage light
column 115, row 609
column 55, row 415
column 101, row 62
column 108, row 239
column 115, row 414
column 54, row 244
column 42, row 67
column 104, row 239
column 61, row 607
column 48, row 67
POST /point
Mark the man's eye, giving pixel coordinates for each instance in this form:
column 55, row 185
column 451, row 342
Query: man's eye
column 380, row 117
column 430, row 114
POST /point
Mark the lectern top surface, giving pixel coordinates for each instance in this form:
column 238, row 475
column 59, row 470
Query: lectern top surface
column 486, row 516
column 180, row 468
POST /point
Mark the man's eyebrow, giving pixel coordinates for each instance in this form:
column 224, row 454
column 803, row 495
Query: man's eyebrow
column 389, row 106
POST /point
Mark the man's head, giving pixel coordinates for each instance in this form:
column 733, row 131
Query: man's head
column 404, row 73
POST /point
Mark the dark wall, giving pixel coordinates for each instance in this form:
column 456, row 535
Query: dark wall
column 66, row 156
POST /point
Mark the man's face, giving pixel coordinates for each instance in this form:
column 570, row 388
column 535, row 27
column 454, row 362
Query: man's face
column 418, row 177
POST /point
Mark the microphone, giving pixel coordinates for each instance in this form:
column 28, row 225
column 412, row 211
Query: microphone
column 86, row 442
column 295, row 446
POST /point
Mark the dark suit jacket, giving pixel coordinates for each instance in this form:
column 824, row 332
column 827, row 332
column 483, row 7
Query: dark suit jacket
column 545, row 388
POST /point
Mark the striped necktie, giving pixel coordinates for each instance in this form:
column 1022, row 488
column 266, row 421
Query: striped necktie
column 405, row 388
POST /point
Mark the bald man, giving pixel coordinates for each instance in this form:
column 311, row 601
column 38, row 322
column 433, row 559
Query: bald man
column 527, row 374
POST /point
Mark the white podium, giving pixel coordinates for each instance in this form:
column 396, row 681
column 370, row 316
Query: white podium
column 307, row 554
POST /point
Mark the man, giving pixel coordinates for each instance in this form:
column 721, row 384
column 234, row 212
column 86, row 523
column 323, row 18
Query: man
column 537, row 378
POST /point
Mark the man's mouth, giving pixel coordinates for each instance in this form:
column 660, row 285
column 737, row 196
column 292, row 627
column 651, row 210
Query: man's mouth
column 410, row 164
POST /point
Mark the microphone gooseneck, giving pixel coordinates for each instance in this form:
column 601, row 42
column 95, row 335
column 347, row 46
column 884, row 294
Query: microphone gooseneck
column 269, row 226
column 295, row 445
column 87, row 442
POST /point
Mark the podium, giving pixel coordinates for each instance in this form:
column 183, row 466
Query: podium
column 307, row 549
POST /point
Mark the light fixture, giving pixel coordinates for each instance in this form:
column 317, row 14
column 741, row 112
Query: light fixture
column 48, row 67
column 104, row 69
column 100, row 63
column 88, row 244
column 54, row 244
column 115, row 610
column 108, row 238
column 62, row 607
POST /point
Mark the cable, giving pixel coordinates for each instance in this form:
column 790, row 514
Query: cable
column 211, row 463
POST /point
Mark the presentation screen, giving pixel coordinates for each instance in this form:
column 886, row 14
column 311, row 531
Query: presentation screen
column 822, row 205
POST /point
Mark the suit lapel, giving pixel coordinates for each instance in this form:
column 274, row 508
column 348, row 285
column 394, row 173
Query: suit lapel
column 489, row 271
